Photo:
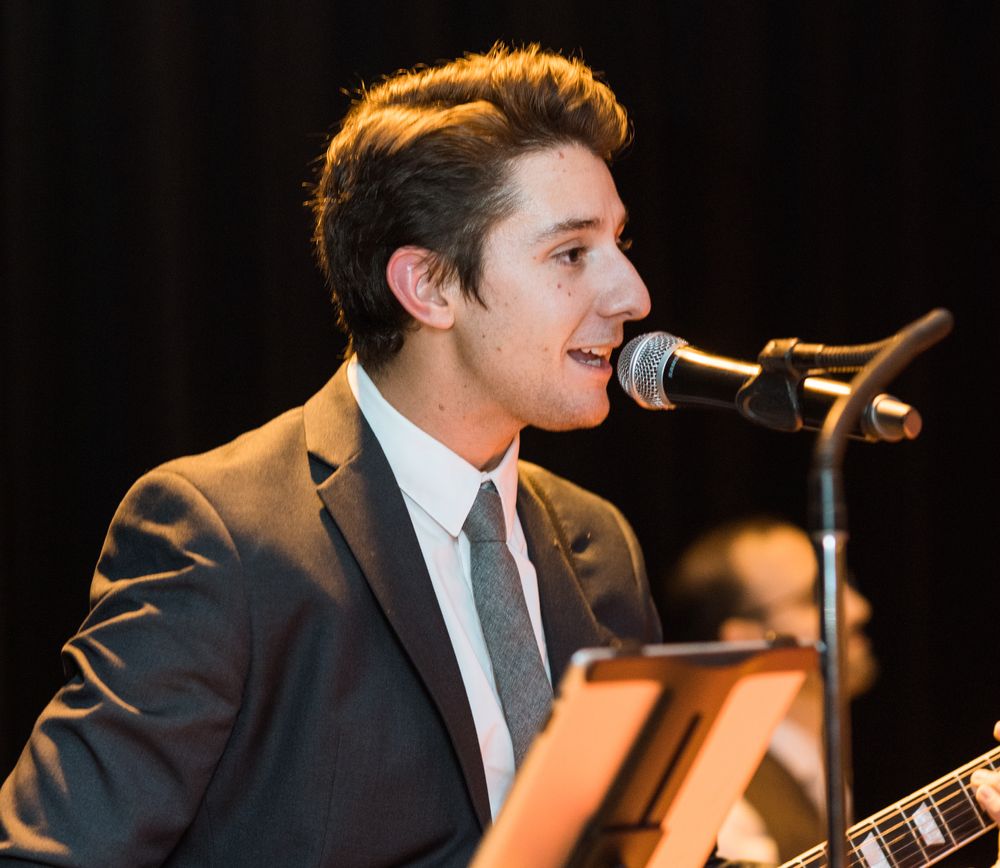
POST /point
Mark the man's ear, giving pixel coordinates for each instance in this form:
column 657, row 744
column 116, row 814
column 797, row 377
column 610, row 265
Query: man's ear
column 741, row 629
column 409, row 278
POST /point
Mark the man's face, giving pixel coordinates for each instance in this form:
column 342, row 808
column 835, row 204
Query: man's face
column 779, row 572
column 557, row 288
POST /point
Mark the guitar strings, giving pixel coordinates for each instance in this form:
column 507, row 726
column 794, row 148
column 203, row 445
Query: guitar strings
column 961, row 819
column 966, row 811
column 967, row 817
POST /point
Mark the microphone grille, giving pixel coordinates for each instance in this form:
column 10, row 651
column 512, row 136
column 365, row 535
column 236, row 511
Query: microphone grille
column 639, row 366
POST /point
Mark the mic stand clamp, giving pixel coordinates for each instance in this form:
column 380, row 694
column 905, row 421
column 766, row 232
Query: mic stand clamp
column 772, row 397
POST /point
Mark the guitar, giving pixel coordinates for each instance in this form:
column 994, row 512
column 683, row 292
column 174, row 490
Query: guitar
column 919, row 830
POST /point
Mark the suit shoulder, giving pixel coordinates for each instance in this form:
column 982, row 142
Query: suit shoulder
column 576, row 510
column 272, row 444
column 603, row 550
column 252, row 483
column 566, row 495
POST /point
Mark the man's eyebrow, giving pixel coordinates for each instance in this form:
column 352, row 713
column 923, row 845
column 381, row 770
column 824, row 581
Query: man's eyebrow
column 573, row 224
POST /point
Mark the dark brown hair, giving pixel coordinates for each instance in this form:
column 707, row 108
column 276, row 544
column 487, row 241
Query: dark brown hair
column 704, row 589
column 424, row 159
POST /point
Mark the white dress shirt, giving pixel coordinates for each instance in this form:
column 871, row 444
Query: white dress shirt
column 439, row 488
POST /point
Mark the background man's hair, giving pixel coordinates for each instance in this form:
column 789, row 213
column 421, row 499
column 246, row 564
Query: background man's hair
column 424, row 158
column 703, row 590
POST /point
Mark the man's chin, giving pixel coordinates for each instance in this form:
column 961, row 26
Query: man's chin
column 577, row 420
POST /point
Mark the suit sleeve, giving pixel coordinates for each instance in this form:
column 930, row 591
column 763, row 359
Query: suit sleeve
column 117, row 764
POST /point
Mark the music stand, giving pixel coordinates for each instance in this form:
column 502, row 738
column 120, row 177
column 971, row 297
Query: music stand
column 643, row 755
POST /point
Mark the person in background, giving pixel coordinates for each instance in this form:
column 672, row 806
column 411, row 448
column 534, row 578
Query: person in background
column 751, row 579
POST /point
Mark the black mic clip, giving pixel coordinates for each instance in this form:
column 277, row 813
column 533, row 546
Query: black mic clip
column 773, row 397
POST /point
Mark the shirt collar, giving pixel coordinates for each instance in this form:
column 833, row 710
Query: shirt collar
column 440, row 481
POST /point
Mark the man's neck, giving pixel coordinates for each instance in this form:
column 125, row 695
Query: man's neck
column 425, row 395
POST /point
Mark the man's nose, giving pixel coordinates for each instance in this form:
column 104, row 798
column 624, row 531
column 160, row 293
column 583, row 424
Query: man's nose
column 627, row 296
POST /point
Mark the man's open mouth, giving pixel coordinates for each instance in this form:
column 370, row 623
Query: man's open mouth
column 595, row 356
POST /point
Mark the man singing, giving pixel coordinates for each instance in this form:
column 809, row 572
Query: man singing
column 330, row 641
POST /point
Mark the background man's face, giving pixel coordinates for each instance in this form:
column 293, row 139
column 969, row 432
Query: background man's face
column 558, row 289
column 778, row 570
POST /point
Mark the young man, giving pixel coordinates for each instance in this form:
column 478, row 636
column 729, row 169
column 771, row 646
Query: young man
column 291, row 658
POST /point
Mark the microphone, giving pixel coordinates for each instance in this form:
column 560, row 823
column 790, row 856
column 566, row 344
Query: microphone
column 662, row 372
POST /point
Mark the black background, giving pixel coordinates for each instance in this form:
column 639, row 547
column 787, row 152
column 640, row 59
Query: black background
column 828, row 171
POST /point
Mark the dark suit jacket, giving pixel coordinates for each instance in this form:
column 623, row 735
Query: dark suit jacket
column 788, row 813
column 265, row 677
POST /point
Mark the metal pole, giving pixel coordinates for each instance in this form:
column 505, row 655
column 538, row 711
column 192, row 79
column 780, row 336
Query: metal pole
column 829, row 532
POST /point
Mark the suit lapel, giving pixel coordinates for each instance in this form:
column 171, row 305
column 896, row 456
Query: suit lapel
column 364, row 500
column 567, row 618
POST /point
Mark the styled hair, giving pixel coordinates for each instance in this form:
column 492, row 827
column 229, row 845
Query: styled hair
column 425, row 159
column 704, row 590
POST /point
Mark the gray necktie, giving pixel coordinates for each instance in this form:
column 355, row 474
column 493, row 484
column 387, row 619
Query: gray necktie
column 525, row 692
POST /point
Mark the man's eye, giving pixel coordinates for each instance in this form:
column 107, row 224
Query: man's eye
column 573, row 256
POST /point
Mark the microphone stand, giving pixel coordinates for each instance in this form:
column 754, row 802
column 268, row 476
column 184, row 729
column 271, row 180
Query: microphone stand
column 828, row 523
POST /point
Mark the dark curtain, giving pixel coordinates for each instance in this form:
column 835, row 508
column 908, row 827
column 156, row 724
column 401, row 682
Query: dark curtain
column 823, row 170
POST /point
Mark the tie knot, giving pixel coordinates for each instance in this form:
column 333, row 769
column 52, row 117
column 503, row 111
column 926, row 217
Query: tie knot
column 485, row 522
